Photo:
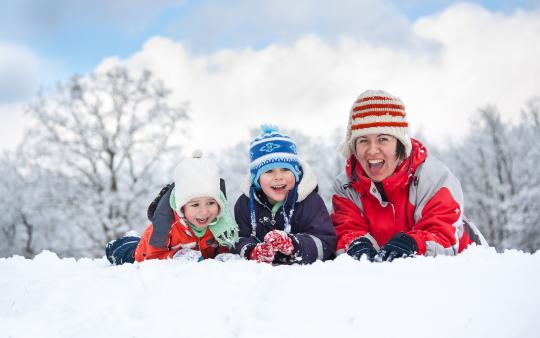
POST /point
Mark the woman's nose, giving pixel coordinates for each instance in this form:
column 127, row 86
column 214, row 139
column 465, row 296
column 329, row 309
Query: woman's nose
column 372, row 148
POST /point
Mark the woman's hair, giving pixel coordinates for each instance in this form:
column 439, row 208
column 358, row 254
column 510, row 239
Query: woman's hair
column 400, row 151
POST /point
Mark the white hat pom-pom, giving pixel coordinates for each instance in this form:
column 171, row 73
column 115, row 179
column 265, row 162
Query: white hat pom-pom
column 197, row 153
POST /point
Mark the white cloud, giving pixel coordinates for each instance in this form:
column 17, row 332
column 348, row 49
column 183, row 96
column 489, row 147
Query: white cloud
column 484, row 58
column 488, row 58
column 21, row 72
column 240, row 23
column 480, row 58
column 12, row 126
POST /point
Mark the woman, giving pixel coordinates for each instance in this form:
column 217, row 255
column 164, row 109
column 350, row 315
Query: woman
column 394, row 199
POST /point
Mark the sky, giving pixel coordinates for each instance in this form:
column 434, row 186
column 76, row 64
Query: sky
column 297, row 64
column 479, row 293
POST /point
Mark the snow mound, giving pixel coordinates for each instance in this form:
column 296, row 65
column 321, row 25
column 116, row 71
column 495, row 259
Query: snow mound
column 479, row 293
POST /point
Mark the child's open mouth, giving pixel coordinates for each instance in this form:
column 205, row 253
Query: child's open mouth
column 202, row 221
column 280, row 187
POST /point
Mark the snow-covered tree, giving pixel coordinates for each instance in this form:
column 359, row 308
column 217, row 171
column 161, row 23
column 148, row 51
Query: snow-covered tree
column 524, row 222
column 498, row 168
column 107, row 133
column 34, row 215
column 324, row 157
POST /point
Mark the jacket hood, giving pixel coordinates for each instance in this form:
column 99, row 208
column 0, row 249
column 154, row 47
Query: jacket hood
column 307, row 184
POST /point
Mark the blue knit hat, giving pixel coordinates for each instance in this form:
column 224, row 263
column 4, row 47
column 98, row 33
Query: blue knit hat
column 272, row 150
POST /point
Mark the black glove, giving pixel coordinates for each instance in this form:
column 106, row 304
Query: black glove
column 401, row 245
column 153, row 206
column 360, row 247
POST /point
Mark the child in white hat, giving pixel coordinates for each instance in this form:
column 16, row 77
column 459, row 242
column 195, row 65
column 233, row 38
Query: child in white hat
column 193, row 223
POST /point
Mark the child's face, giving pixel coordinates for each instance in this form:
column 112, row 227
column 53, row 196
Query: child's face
column 201, row 211
column 275, row 184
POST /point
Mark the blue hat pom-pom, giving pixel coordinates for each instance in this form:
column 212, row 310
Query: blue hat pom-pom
column 269, row 128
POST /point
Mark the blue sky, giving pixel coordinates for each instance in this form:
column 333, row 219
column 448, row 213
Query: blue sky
column 42, row 42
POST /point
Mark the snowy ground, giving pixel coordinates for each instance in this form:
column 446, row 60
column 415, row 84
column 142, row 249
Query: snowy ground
column 477, row 294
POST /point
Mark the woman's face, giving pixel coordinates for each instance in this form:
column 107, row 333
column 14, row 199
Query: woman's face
column 377, row 155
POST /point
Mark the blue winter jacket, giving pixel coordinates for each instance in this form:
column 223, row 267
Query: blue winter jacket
column 312, row 231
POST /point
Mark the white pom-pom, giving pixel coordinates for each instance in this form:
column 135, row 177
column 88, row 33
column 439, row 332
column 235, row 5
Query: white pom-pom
column 197, row 153
column 269, row 128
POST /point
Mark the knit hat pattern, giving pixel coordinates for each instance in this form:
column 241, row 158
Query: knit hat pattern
column 376, row 112
column 270, row 150
column 196, row 177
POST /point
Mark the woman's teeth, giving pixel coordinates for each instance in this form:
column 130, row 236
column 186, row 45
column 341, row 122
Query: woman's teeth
column 375, row 163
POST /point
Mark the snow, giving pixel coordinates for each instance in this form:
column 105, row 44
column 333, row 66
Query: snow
column 480, row 293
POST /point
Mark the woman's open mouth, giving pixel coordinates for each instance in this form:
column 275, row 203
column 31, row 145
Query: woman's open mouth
column 375, row 164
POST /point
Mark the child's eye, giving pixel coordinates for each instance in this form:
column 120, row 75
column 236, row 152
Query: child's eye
column 211, row 203
column 284, row 169
column 194, row 205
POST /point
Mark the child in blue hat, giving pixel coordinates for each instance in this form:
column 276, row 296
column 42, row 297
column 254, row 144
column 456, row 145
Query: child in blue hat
column 281, row 217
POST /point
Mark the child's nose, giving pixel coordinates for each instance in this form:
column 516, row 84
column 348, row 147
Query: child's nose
column 278, row 175
column 205, row 210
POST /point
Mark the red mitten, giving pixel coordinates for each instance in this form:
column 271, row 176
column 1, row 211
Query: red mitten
column 262, row 252
column 279, row 241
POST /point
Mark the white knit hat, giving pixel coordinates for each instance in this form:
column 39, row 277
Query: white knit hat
column 376, row 112
column 196, row 177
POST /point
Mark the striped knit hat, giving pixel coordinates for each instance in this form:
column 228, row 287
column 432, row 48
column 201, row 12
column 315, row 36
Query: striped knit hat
column 272, row 150
column 376, row 112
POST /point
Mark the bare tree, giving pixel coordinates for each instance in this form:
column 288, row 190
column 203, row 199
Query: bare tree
column 107, row 132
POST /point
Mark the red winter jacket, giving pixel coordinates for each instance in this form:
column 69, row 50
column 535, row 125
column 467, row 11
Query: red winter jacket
column 424, row 200
column 180, row 236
